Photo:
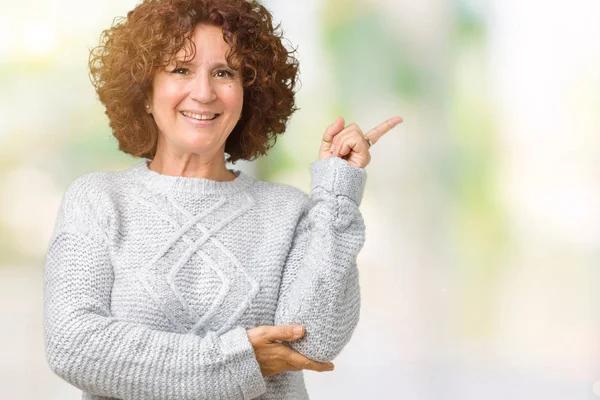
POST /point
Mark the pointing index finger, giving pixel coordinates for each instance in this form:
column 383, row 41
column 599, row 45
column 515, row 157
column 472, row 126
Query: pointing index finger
column 381, row 129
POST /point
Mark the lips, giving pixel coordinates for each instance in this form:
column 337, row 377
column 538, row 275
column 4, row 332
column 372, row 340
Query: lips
column 203, row 116
column 200, row 121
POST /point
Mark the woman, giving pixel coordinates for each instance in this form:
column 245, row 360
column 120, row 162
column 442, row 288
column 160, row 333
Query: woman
column 179, row 278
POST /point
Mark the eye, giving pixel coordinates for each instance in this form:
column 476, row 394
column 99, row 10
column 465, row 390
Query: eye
column 224, row 73
column 181, row 71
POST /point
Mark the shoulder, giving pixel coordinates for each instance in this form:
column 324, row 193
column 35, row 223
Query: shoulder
column 93, row 189
column 279, row 192
column 280, row 203
column 278, row 206
column 88, row 185
column 87, row 204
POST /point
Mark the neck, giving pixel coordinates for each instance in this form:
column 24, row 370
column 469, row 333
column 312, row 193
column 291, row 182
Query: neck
column 192, row 167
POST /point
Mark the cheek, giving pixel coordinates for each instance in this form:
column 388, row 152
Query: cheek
column 168, row 95
column 235, row 94
column 233, row 98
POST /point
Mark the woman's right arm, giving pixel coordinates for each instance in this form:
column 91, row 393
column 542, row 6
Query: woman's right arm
column 92, row 350
column 95, row 352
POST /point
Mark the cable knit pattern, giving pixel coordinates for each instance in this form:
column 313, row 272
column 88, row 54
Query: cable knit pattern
column 151, row 281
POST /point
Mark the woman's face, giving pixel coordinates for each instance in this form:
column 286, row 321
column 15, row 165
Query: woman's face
column 197, row 105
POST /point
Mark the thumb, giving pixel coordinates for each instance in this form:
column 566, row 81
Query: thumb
column 285, row 333
column 291, row 332
column 270, row 334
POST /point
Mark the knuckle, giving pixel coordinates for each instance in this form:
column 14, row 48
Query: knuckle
column 290, row 365
column 263, row 331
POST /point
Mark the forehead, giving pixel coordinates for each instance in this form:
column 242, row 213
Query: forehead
column 209, row 45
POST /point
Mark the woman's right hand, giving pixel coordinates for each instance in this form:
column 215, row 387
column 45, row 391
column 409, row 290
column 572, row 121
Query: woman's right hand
column 274, row 357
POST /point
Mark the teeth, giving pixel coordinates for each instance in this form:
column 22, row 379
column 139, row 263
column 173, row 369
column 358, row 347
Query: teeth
column 198, row 116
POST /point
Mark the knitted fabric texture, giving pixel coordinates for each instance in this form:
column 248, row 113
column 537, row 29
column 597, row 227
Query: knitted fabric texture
column 151, row 281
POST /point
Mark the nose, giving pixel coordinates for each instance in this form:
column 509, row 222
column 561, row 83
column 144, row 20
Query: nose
column 202, row 88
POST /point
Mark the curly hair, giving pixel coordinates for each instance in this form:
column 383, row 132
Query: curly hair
column 123, row 66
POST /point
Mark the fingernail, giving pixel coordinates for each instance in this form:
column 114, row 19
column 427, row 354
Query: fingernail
column 330, row 367
column 297, row 330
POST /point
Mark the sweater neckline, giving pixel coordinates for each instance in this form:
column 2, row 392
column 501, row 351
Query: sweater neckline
column 184, row 184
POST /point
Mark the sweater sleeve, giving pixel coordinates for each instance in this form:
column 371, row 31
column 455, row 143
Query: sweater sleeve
column 320, row 287
column 99, row 354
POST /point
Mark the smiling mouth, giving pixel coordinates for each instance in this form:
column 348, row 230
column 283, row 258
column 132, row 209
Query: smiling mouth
column 200, row 117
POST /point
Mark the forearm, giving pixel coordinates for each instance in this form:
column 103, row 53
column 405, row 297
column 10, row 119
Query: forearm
column 93, row 351
column 125, row 361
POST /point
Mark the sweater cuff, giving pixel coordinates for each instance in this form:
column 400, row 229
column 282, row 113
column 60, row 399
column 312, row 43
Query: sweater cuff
column 241, row 361
column 339, row 177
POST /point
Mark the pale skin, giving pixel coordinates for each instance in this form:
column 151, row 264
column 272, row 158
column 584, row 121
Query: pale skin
column 273, row 357
column 196, row 149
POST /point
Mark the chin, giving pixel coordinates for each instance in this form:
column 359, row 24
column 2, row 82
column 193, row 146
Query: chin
column 199, row 146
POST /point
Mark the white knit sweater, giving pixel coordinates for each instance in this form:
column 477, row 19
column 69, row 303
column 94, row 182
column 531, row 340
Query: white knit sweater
column 151, row 281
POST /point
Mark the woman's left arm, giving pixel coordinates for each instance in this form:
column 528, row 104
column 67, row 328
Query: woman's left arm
column 320, row 287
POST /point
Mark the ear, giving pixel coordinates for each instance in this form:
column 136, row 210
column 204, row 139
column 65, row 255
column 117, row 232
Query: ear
column 148, row 104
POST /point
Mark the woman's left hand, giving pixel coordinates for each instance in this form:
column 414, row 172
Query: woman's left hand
column 349, row 142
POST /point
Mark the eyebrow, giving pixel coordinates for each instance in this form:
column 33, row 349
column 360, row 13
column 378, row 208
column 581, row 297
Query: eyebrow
column 219, row 64
column 222, row 65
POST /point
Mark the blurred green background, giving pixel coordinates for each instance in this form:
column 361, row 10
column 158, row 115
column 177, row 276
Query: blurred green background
column 480, row 270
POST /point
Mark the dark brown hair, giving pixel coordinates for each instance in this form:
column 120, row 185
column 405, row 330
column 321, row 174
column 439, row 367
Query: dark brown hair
column 135, row 47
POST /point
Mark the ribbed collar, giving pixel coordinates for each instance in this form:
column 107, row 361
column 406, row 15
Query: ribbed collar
column 199, row 186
